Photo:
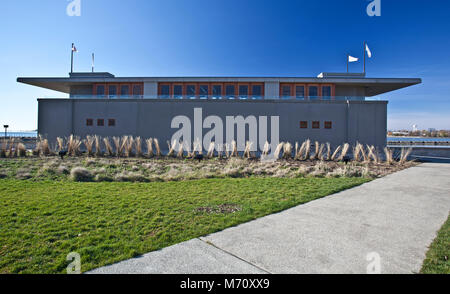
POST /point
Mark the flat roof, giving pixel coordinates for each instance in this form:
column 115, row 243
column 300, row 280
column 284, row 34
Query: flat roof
column 374, row 86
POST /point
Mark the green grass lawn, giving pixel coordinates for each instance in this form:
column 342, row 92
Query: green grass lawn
column 43, row 221
column 437, row 261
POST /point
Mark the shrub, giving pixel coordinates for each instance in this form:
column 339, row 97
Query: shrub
column 80, row 174
column 63, row 170
column 23, row 174
column 130, row 177
column 103, row 178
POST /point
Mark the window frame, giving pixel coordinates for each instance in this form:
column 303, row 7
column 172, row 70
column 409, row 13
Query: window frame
column 315, row 124
column 141, row 88
column 117, row 92
column 89, row 122
column 208, row 89
column 244, row 96
column 96, row 90
column 304, row 91
column 282, row 96
column 252, row 95
column 100, row 122
column 191, row 96
column 111, row 122
column 160, row 90
column 303, row 124
column 231, row 97
column 175, row 96
column 219, row 96
column 120, row 91
column 328, row 125
column 331, row 97
column 318, row 92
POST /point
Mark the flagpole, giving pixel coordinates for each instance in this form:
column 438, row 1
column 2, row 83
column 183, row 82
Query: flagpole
column 93, row 60
column 364, row 52
column 348, row 57
column 71, row 59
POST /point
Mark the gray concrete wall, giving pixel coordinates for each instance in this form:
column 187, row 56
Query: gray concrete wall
column 362, row 121
column 151, row 89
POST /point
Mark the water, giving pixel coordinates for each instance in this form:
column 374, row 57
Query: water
column 416, row 139
column 30, row 134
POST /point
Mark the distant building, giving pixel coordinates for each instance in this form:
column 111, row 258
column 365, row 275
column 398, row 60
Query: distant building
column 332, row 107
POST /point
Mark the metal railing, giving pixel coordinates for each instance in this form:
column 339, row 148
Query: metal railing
column 230, row 97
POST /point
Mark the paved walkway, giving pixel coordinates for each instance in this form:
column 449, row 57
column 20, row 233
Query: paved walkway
column 395, row 217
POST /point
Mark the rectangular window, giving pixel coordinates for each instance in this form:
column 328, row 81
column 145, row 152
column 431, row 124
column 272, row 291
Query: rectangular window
column 137, row 91
column 100, row 90
column 164, row 91
column 204, row 91
column 326, row 92
column 303, row 125
column 111, row 122
column 257, row 92
column 243, row 92
column 230, row 91
column 100, row 122
column 191, row 91
column 300, row 92
column 178, row 91
column 313, row 92
column 286, row 92
column 125, row 91
column 217, row 92
column 112, row 91
column 316, row 124
column 89, row 122
column 328, row 125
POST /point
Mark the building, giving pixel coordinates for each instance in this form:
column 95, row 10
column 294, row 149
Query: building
column 332, row 107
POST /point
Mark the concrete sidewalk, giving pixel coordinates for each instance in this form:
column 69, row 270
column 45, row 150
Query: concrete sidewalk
column 396, row 218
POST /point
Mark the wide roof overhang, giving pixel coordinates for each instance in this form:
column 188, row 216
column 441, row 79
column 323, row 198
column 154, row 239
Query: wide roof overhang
column 373, row 86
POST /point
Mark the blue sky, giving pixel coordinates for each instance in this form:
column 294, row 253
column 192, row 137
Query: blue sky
column 232, row 38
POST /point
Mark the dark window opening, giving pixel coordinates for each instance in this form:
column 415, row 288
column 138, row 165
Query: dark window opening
column 137, row 90
column 111, row 122
column 217, row 92
column 112, row 91
column 100, row 122
column 100, row 90
column 303, row 125
column 124, row 91
column 316, row 125
column 204, row 91
column 89, row 122
column 313, row 93
column 300, row 92
column 230, row 91
column 257, row 92
column 190, row 91
column 286, row 92
column 328, row 125
column 243, row 92
column 178, row 91
column 326, row 92
column 165, row 91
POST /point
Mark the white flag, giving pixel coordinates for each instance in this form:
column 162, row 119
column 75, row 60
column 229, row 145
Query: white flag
column 352, row 59
column 369, row 53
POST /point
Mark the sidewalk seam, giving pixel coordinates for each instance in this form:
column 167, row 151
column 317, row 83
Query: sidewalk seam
column 229, row 253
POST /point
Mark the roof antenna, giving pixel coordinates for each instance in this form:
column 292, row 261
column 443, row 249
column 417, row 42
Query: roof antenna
column 93, row 62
